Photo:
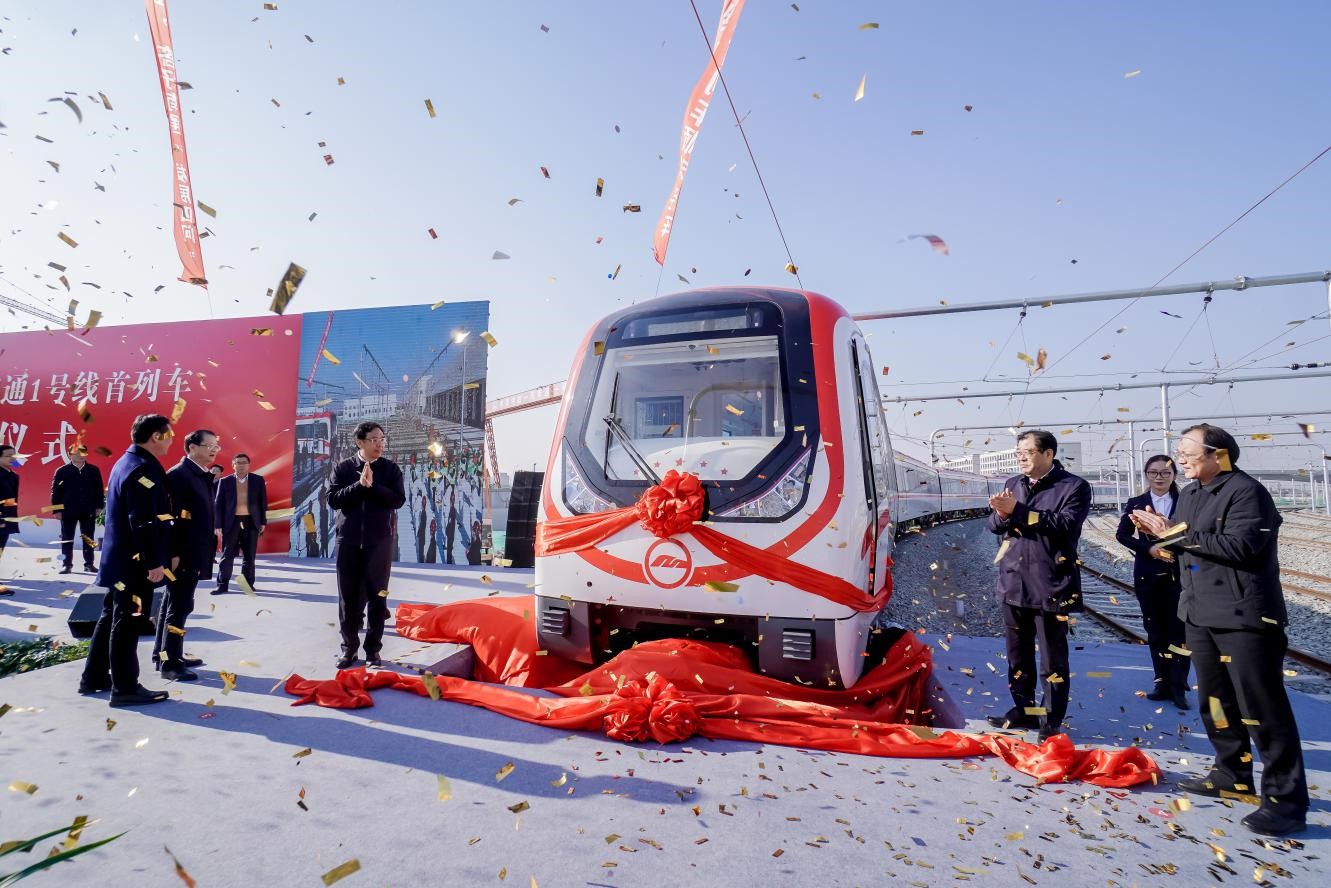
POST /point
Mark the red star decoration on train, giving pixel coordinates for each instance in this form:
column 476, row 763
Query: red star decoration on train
column 703, row 464
column 725, row 472
column 679, row 462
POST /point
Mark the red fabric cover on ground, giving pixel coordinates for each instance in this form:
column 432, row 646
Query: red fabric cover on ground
column 672, row 689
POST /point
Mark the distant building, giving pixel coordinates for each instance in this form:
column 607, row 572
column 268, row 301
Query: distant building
column 369, row 407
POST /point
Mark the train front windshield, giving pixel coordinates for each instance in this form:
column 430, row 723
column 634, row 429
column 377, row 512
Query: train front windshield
column 709, row 391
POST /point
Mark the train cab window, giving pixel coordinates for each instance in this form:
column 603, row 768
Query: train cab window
column 713, row 407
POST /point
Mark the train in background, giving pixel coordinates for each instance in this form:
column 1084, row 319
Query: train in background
column 927, row 495
column 770, row 399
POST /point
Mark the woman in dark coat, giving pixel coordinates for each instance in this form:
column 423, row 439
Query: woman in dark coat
column 1156, row 582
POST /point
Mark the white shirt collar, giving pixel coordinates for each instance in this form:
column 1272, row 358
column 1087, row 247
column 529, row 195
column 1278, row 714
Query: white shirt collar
column 1163, row 505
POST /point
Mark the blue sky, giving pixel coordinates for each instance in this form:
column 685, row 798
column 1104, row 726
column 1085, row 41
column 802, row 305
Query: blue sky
column 1061, row 158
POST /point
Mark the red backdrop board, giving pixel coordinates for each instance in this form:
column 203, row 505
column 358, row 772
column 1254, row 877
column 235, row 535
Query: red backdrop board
column 234, row 381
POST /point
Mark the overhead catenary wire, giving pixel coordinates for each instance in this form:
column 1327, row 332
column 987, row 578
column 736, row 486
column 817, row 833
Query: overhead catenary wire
column 739, row 124
column 1212, row 239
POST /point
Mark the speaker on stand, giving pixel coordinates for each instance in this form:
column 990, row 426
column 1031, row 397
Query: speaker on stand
column 523, row 508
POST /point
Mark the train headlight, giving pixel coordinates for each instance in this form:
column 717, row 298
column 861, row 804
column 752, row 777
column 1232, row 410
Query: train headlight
column 781, row 498
column 577, row 495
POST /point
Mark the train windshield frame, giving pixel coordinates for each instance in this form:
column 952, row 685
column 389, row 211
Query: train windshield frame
column 721, row 390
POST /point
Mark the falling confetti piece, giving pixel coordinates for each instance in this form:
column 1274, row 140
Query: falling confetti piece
column 869, row 26
column 504, row 771
column 859, row 92
column 600, row 186
column 429, row 107
column 228, row 682
column 499, row 254
column 286, row 288
column 331, row 358
column 23, row 786
column 1132, row 74
column 259, row 331
column 431, row 686
column 141, row 743
column 936, row 242
column 563, row 778
column 615, row 274
column 520, row 807
column 67, row 239
column 719, row 586
column 341, row 871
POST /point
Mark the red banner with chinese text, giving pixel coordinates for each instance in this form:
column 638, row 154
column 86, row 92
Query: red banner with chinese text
column 237, row 384
column 699, row 101
column 182, row 196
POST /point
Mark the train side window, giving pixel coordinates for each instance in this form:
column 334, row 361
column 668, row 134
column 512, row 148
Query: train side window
column 872, row 489
column 880, row 448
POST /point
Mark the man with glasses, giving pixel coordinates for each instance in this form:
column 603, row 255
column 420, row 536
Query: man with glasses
column 1039, row 514
column 366, row 490
column 242, row 514
column 1224, row 533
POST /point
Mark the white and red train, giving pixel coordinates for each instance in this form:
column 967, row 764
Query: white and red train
column 770, row 397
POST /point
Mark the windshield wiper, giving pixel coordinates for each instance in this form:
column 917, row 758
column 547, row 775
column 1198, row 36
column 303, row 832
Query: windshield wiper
column 616, row 427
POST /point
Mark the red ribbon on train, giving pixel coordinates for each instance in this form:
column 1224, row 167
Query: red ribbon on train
column 674, row 508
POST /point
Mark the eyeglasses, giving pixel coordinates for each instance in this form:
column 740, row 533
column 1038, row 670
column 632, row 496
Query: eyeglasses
column 1152, row 473
column 1181, row 456
column 377, row 438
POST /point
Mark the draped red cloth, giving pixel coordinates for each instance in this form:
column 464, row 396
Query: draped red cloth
column 672, row 689
column 675, row 506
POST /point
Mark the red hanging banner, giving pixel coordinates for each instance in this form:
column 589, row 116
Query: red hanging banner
column 694, row 112
column 182, row 197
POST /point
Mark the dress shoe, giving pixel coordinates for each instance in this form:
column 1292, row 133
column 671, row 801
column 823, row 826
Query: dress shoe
column 1181, row 701
column 1014, row 721
column 66, row 569
column 86, row 688
column 1266, row 822
column 346, row 661
column 191, row 662
column 1047, row 731
column 373, row 662
column 88, row 568
column 140, row 696
column 220, row 590
column 1213, row 784
column 175, row 672
column 1160, row 693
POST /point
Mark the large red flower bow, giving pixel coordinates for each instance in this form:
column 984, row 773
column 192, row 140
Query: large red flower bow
column 658, row 710
column 672, row 506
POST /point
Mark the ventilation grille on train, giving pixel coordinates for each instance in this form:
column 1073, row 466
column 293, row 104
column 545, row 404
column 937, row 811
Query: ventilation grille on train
column 797, row 644
column 554, row 621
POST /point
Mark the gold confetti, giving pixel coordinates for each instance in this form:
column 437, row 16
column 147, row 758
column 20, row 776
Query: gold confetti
column 859, row 92
column 1032, row 518
column 1132, row 74
column 719, row 586
column 445, row 790
column 731, row 408
column 300, row 754
column 178, row 410
column 23, row 786
column 869, row 26
column 1036, row 710
column 1217, row 713
column 792, row 268
column 563, row 778
column 245, row 586
column 1180, row 805
column 342, row 870
column 146, row 482
column 431, row 685
column 504, row 771
column 1307, row 428
column 286, row 289
column 228, row 682
column 1099, row 674
column 260, row 331
column 489, row 338
column 429, row 108
column 520, row 807
column 67, row 239
column 330, row 357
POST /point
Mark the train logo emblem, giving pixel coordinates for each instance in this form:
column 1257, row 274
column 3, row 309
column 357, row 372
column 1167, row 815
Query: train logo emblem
column 667, row 563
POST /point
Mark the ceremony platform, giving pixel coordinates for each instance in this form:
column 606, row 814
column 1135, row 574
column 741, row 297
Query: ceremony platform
column 246, row 790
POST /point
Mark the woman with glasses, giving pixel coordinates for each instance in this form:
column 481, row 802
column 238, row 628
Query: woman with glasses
column 1155, row 580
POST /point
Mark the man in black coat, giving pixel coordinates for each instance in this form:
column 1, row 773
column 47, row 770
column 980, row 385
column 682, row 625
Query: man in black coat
column 366, row 490
column 1225, row 536
column 192, row 543
column 1039, row 514
column 8, row 500
column 241, row 510
column 1156, row 583
column 135, row 553
column 77, row 488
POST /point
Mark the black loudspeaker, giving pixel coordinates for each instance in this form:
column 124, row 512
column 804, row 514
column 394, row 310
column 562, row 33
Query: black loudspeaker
column 88, row 607
column 524, row 502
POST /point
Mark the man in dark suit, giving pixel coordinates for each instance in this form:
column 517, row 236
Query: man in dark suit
column 1225, row 536
column 241, row 512
column 1156, row 583
column 366, row 490
column 192, row 543
column 135, row 554
column 1039, row 514
column 77, row 488
column 8, row 500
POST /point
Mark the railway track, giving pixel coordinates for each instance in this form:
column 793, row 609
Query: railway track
column 1101, row 594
